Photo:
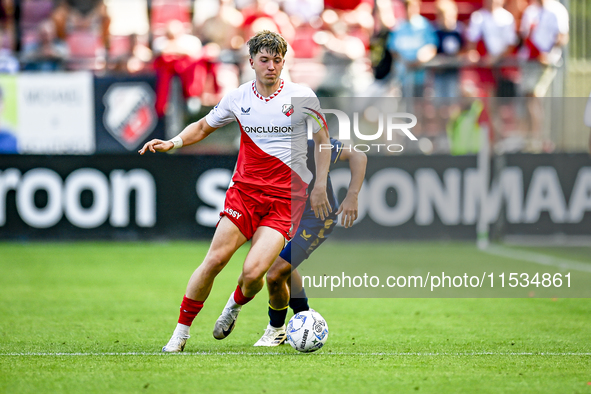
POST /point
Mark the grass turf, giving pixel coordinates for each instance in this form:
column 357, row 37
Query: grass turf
column 91, row 317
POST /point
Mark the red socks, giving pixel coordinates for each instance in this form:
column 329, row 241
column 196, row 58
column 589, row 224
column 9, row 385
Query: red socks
column 189, row 309
column 239, row 298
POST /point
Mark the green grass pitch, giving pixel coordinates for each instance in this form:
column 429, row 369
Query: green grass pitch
column 92, row 317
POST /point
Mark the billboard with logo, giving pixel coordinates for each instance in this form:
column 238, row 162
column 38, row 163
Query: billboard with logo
column 180, row 196
column 8, row 115
column 125, row 113
column 47, row 114
column 77, row 113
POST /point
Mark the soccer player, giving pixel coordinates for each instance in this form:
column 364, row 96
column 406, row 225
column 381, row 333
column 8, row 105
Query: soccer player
column 312, row 232
column 268, row 192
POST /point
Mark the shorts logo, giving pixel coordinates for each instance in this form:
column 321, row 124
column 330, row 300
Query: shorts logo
column 287, row 109
column 305, row 235
column 233, row 213
column 245, row 111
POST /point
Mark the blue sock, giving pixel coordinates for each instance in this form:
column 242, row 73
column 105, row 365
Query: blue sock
column 277, row 316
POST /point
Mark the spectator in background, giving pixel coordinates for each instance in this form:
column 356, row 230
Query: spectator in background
column 450, row 44
column 516, row 8
column 414, row 42
column 179, row 53
column 162, row 12
column 129, row 30
column 223, row 29
column 360, row 21
column 265, row 14
column 128, row 17
column 177, row 42
column 491, row 38
column 7, row 26
column 32, row 14
column 136, row 60
column 305, row 10
column 84, row 25
column 47, row 52
column 340, row 50
column 9, row 64
column 387, row 12
column 544, row 30
column 8, row 142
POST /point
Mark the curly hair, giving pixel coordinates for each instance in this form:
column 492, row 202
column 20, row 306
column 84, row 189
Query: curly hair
column 265, row 39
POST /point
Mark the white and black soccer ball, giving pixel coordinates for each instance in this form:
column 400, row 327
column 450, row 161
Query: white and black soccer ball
column 307, row 331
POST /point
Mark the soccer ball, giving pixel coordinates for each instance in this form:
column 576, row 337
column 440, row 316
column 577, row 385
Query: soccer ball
column 307, row 331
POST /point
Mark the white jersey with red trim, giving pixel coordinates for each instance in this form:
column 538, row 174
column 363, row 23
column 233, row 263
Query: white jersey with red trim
column 273, row 143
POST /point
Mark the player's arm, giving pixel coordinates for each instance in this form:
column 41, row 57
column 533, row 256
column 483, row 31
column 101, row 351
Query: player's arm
column 191, row 134
column 318, row 198
column 349, row 206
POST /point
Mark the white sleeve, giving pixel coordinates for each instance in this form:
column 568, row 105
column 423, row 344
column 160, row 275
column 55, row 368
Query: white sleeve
column 526, row 22
column 474, row 31
column 221, row 114
column 510, row 34
column 588, row 113
column 311, row 107
column 563, row 19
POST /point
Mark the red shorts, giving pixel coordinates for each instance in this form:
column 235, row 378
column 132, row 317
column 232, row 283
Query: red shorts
column 252, row 208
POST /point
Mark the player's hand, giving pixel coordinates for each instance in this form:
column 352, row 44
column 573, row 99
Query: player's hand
column 349, row 209
column 156, row 145
column 319, row 203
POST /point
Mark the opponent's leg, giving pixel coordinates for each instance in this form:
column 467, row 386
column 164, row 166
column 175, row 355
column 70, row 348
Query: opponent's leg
column 266, row 245
column 277, row 279
column 298, row 301
column 277, row 285
column 226, row 240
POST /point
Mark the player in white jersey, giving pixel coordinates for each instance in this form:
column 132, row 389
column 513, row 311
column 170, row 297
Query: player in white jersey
column 268, row 192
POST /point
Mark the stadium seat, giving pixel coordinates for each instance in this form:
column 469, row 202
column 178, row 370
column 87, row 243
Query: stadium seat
column 86, row 51
column 164, row 11
column 119, row 46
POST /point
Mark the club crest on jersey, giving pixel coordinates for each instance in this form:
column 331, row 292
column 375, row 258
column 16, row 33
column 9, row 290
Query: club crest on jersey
column 245, row 111
column 287, row 109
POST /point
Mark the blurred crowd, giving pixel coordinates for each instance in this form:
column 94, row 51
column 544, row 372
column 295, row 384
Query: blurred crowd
column 346, row 48
column 414, row 48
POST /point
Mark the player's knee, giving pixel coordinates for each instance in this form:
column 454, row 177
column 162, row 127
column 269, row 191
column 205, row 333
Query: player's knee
column 277, row 275
column 216, row 261
column 252, row 277
column 274, row 283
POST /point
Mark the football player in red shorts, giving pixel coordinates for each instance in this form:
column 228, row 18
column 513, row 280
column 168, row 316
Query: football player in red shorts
column 269, row 187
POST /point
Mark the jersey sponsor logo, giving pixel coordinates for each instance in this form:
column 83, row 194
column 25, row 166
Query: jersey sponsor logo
column 267, row 129
column 233, row 213
column 287, row 109
column 245, row 111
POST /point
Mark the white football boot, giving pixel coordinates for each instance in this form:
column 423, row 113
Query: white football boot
column 227, row 320
column 273, row 336
column 177, row 343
